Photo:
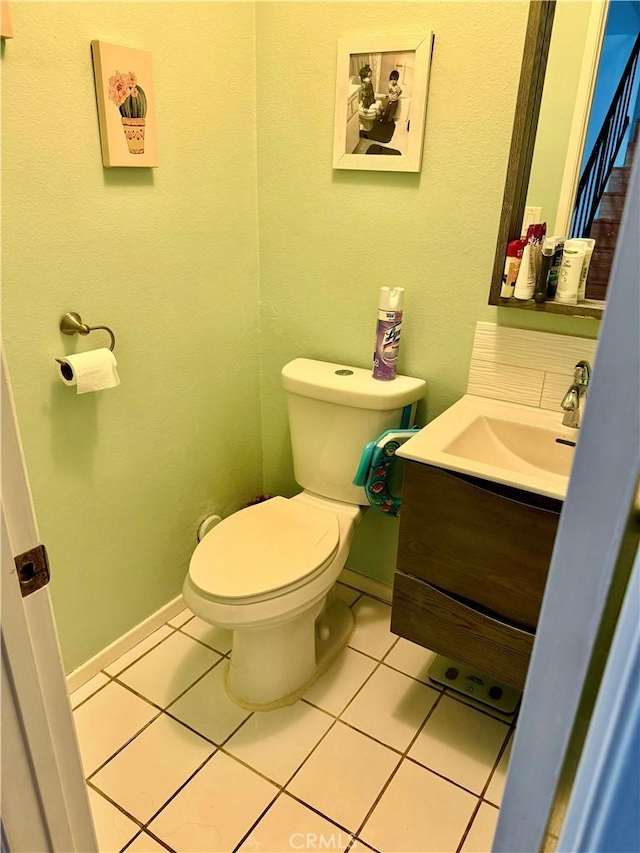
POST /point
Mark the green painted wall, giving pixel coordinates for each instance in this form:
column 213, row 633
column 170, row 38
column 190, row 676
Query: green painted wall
column 206, row 305
column 330, row 239
column 167, row 258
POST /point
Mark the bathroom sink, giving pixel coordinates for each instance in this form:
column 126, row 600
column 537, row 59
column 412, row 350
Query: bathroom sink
column 519, row 447
column 516, row 445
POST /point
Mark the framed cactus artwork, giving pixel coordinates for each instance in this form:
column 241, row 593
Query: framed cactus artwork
column 126, row 113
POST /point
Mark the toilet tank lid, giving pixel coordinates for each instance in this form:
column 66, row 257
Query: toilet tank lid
column 349, row 386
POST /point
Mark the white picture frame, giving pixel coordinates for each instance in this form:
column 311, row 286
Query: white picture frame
column 376, row 135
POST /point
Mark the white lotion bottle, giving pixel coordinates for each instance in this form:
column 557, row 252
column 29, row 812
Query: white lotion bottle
column 589, row 244
column 526, row 281
column 570, row 272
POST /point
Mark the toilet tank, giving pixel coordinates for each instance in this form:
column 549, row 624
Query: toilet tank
column 334, row 411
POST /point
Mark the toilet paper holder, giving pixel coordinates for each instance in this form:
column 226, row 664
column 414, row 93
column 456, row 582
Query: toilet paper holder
column 71, row 324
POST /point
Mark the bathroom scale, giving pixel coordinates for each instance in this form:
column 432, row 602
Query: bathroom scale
column 464, row 679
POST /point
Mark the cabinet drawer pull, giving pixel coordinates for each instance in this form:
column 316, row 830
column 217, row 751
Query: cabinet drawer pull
column 425, row 615
column 509, row 493
column 481, row 611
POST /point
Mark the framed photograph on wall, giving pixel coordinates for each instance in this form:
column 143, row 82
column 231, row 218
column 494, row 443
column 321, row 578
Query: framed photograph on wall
column 126, row 105
column 381, row 102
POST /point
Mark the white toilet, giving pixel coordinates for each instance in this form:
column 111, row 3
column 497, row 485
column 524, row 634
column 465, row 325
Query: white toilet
column 267, row 571
column 370, row 115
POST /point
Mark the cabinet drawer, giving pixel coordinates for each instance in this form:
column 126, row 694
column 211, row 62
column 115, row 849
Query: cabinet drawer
column 427, row 616
column 488, row 543
column 352, row 107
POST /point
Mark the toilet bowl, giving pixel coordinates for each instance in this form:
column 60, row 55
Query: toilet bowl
column 286, row 630
column 369, row 115
column 267, row 572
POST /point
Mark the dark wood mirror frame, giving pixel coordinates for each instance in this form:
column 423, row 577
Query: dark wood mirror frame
column 534, row 66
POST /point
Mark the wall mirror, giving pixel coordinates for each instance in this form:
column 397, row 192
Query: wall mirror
column 575, row 133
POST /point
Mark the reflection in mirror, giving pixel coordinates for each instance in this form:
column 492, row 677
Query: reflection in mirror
column 585, row 135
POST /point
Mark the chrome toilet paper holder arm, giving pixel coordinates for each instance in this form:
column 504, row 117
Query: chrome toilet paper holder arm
column 71, row 324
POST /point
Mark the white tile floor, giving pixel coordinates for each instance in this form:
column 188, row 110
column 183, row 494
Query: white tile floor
column 374, row 757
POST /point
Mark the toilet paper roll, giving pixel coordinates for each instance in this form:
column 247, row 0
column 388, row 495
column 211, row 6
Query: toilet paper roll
column 89, row 371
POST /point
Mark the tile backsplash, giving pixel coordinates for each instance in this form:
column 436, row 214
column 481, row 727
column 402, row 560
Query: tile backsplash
column 521, row 366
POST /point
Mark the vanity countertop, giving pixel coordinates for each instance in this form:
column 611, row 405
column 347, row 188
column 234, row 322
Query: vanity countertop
column 516, row 445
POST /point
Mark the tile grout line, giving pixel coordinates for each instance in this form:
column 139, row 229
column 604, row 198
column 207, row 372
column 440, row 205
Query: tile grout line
column 285, row 793
column 74, row 708
column 120, row 808
column 501, row 752
column 282, row 788
column 198, row 640
column 145, row 825
column 466, row 832
column 89, row 778
column 165, row 711
column 116, row 676
column 142, row 832
column 217, row 748
column 356, row 840
column 162, row 710
column 179, row 696
column 178, row 790
column 257, row 821
column 172, row 631
column 223, row 659
column 321, row 814
column 429, row 683
column 337, row 719
column 481, row 800
column 158, row 839
column 365, row 682
column 113, row 662
column 399, row 764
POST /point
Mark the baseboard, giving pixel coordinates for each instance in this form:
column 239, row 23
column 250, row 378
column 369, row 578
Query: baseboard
column 372, row 587
column 123, row 644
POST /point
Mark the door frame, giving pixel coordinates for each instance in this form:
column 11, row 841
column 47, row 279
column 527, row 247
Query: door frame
column 46, row 801
column 590, row 569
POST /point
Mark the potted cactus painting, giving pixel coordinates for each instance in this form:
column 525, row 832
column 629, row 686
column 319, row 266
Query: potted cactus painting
column 128, row 95
column 125, row 105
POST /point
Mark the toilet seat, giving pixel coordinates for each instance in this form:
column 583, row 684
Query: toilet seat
column 262, row 550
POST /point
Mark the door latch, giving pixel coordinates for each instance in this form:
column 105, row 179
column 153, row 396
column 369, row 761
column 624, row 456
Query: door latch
column 33, row 570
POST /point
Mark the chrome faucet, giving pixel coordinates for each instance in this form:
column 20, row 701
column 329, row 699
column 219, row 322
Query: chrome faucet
column 576, row 395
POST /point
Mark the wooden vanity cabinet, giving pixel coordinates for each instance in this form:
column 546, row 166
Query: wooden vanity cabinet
column 473, row 558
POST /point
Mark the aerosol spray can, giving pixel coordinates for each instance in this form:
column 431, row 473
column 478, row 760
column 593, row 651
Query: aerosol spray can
column 385, row 357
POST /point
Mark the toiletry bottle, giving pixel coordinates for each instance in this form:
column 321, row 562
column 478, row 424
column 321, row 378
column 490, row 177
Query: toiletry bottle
column 589, row 244
column 385, row 357
column 570, row 272
column 546, row 261
column 554, row 272
column 511, row 267
column 526, row 281
column 538, row 232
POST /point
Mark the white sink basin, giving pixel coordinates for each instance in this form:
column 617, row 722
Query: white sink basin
column 515, row 445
